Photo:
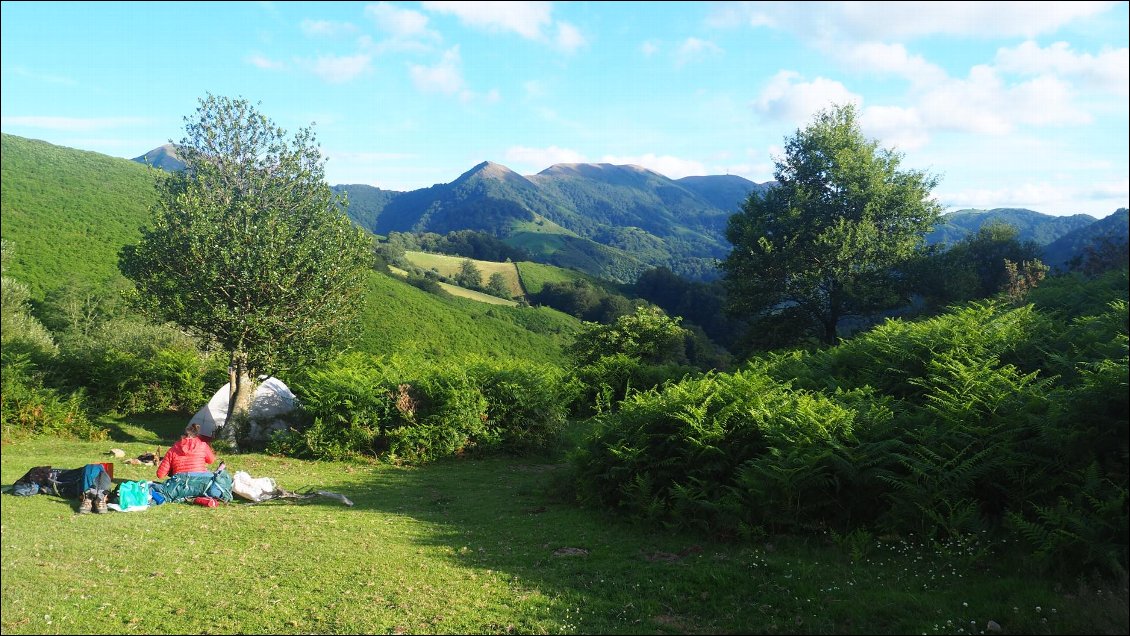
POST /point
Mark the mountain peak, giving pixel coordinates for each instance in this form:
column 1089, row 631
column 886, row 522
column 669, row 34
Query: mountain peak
column 490, row 170
column 164, row 157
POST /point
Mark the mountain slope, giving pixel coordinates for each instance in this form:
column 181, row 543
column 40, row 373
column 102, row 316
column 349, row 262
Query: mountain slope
column 1042, row 229
column 1116, row 226
column 67, row 212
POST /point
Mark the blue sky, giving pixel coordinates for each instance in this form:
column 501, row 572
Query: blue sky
column 1009, row 104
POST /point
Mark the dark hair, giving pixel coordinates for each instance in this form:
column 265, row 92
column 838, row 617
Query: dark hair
column 192, row 430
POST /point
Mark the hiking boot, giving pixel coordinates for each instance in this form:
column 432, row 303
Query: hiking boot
column 100, row 503
column 85, row 504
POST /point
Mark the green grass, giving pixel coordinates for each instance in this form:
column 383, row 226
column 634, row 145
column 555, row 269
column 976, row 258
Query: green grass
column 475, row 546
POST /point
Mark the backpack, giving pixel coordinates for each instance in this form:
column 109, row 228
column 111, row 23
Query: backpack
column 188, row 486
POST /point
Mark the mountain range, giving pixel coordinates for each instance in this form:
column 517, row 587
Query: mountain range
column 616, row 221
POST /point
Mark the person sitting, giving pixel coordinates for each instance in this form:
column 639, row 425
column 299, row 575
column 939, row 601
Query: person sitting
column 190, row 455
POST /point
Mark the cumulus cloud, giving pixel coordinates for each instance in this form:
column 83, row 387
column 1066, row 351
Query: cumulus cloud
column 541, row 158
column 399, row 23
column 983, row 103
column 1108, row 71
column 788, row 98
column 891, row 59
column 1049, row 198
column 445, row 77
column 530, row 20
column 894, row 127
column 666, row 165
column 693, row 50
column 337, row 69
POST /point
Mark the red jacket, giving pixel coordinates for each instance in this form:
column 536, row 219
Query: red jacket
column 190, row 455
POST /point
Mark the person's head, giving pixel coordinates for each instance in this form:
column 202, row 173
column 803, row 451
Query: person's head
column 192, row 430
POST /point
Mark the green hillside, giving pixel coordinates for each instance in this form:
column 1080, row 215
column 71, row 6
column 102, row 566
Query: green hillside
column 400, row 318
column 67, row 212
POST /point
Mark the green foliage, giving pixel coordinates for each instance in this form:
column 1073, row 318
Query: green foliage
column 246, row 244
column 469, row 276
column 411, row 411
column 974, row 267
column 989, row 418
column 647, row 335
column 28, row 407
column 827, row 238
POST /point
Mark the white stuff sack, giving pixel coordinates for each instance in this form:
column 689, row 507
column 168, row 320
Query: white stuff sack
column 253, row 489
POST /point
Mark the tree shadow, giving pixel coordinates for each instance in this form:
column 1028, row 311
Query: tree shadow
column 145, row 428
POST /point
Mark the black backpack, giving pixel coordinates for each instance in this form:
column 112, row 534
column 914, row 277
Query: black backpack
column 62, row 482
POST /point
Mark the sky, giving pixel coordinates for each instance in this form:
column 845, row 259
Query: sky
column 1010, row 104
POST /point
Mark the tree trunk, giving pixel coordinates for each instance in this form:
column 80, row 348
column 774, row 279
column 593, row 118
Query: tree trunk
column 241, row 389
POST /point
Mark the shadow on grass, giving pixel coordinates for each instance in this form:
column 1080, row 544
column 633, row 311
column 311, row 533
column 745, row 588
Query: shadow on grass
column 595, row 572
column 146, row 428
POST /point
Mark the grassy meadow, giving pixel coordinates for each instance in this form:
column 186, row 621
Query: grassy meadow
column 490, row 545
column 450, row 265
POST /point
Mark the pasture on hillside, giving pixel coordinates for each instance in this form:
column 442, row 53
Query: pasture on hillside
column 449, row 266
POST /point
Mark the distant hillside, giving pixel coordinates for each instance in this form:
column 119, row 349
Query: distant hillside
column 1041, row 229
column 67, row 212
column 725, row 192
column 164, row 157
column 365, row 203
column 1116, row 226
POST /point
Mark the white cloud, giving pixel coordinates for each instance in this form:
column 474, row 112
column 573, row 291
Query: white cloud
column 538, row 159
column 569, row 38
column 524, row 18
column 530, row 20
column 339, row 69
column 262, row 61
column 693, row 50
column 72, row 124
column 894, row 127
column 984, row 104
column 649, row 48
column 446, row 77
column 1108, row 71
column 666, row 165
column 828, row 22
column 1049, row 198
column 891, row 59
column 326, row 28
column 400, row 23
column 787, row 98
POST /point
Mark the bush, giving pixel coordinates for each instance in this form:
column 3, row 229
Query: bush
column 408, row 411
column 27, row 407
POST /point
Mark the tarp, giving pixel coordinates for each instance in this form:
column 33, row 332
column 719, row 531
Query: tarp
column 271, row 401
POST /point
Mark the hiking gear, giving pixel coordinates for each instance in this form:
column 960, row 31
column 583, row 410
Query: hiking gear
column 189, row 455
column 207, row 502
column 185, row 486
column 84, row 506
column 62, row 482
column 133, row 494
column 100, row 503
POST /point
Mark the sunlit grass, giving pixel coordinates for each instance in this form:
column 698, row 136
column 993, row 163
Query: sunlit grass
column 477, row 546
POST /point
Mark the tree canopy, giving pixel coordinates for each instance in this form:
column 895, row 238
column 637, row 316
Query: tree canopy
column 825, row 242
column 248, row 247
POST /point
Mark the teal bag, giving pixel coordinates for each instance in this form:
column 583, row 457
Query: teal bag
column 133, row 494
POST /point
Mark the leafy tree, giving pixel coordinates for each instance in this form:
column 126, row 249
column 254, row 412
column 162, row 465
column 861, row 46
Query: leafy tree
column 648, row 335
column 249, row 247
column 469, row 276
column 825, row 242
column 974, row 267
column 497, row 286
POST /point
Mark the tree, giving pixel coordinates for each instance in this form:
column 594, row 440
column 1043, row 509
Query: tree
column 497, row 286
column 248, row 247
column 975, row 267
column 469, row 276
column 824, row 243
column 648, row 335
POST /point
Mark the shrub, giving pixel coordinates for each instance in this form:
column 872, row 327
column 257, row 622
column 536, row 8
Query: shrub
column 27, row 407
